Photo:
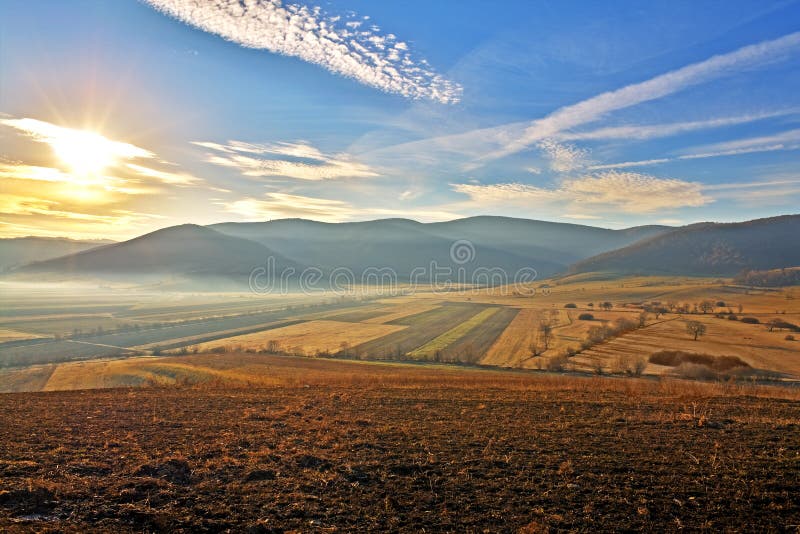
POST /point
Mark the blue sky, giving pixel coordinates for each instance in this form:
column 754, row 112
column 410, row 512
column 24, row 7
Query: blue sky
column 605, row 113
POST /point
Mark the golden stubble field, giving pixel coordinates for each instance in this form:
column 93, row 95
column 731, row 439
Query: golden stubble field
column 491, row 327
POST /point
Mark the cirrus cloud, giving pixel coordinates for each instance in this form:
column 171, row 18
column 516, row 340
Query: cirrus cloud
column 628, row 192
column 297, row 160
column 343, row 47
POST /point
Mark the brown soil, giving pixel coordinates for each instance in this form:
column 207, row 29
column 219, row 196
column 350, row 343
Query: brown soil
column 495, row 453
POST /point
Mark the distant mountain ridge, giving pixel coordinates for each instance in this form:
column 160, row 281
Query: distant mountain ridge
column 186, row 250
column 404, row 244
column 229, row 252
column 19, row 251
column 707, row 249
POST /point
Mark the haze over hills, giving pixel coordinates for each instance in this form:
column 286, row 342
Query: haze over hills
column 722, row 249
column 18, row 251
column 188, row 250
column 404, row 244
column 229, row 252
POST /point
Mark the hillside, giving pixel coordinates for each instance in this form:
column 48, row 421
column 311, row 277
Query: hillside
column 404, row 244
column 711, row 249
column 19, row 251
column 185, row 251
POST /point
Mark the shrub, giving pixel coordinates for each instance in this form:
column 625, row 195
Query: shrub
column 630, row 365
column 571, row 305
column 750, row 320
column 623, row 325
column 732, row 317
column 676, row 358
column 789, row 337
column 557, row 363
column 696, row 371
column 586, row 317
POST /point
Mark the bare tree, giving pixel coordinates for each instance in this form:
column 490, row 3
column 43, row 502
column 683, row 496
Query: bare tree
column 536, row 349
column 643, row 319
column 546, row 333
column 695, row 328
column 707, row 306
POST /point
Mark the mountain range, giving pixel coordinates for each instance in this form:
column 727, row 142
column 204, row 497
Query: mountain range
column 18, row 251
column 227, row 253
column 707, row 249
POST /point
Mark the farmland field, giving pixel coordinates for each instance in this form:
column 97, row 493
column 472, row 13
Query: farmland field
column 356, row 446
column 489, row 327
column 310, row 337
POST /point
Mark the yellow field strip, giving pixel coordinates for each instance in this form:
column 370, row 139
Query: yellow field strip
column 453, row 334
column 310, row 336
column 402, row 311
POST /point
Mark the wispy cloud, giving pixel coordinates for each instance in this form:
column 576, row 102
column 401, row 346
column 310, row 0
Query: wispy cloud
column 291, row 160
column 175, row 178
column 610, row 191
column 285, row 205
column 789, row 140
column 85, row 185
column 346, row 47
column 628, row 164
column 89, row 159
column 581, row 216
column 564, row 157
column 660, row 86
column 485, row 144
column 651, row 131
column 66, row 139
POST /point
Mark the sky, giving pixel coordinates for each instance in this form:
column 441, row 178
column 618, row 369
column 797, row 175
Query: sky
column 119, row 118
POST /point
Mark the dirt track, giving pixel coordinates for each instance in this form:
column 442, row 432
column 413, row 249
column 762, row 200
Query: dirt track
column 324, row 459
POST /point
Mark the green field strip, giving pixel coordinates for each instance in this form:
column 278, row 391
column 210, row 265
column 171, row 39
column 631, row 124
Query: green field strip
column 471, row 347
column 421, row 328
column 441, row 342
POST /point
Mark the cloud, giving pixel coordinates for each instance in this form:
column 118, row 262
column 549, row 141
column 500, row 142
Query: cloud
column 660, row 86
column 789, row 140
column 65, row 140
column 581, row 216
column 626, row 164
column 291, row 160
column 86, row 185
column 492, row 143
column 175, row 178
column 781, row 190
column 285, row 205
column 563, row 157
column 90, row 157
column 651, row 131
column 619, row 191
column 340, row 46
column 30, row 205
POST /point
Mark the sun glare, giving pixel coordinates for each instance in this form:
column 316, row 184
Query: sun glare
column 85, row 153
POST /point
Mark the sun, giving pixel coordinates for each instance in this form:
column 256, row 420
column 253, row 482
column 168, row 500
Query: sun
column 85, row 153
